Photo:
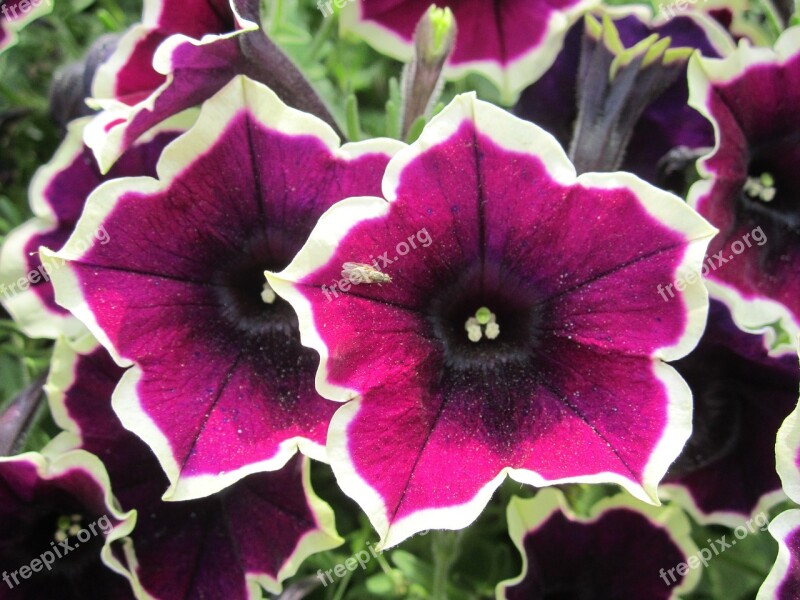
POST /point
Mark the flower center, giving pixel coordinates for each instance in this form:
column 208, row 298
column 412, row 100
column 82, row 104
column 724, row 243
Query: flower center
column 68, row 527
column 483, row 324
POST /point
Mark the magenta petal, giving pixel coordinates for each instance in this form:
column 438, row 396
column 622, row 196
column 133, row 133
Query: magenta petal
column 485, row 210
column 221, row 386
column 567, row 556
column 15, row 15
column 255, row 532
column 512, row 42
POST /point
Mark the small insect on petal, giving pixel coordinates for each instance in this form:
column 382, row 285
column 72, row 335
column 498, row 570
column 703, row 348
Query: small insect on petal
column 359, row 273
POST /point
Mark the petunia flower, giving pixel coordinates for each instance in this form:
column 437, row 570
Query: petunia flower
column 57, row 519
column 220, row 386
column 254, row 534
column 667, row 123
column 16, row 14
column 783, row 581
column 787, row 454
column 505, row 321
column 565, row 555
column 750, row 183
column 180, row 56
column 510, row 42
column 58, row 193
column 726, row 473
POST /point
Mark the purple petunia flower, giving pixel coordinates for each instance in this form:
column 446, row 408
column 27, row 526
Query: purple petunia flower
column 511, row 42
column 726, row 473
column 666, row 124
column 751, row 180
column 567, row 556
column 221, row 386
column 57, row 197
column 57, row 519
column 497, row 316
column 253, row 534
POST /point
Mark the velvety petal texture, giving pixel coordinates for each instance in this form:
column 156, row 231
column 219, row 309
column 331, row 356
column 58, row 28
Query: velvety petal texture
column 57, row 519
column 57, row 196
column 783, row 581
column 221, row 386
column 517, row 328
column 253, row 534
column 622, row 549
column 16, row 14
column 750, row 184
column 668, row 123
column 511, row 42
column 726, row 473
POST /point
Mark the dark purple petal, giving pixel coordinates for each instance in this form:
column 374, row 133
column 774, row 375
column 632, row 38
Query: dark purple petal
column 568, row 556
column 727, row 473
column 751, row 98
column 257, row 531
column 222, row 386
column 37, row 492
column 570, row 267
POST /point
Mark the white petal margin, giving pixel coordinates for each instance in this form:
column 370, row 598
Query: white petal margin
column 787, row 455
column 324, row 537
column 750, row 314
column 12, row 26
column 241, row 94
column 781, row 528
column 526, row 515
column 106, row 132
column 510, row 79
column 52, row 463
column 515, row 135
column 27, row 310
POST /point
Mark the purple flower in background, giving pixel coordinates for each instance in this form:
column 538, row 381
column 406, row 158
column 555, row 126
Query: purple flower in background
column 57, row 518
column 504, row 321
column 726, row 473
column 511, row 42
column 667, row 123
column 622, row 549
column 221, row 386
column 749, row 190
column 57, row 197
column 253, row 534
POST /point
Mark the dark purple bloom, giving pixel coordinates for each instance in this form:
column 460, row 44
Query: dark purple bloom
column 783, row 581
column 749, row 190
column 623, row 549
column 667, row 123
column 516, row 330
column 57, row 197
column 221, row 386
column 254, row 533
column 509, row 41
column 726, row 472
column 57, row 518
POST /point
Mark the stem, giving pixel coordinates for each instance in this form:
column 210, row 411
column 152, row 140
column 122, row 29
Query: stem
column 321, row 37
column 445, row 546
column 342, row 587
